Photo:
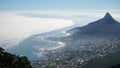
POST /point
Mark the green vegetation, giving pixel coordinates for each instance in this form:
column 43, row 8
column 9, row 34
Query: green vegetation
column 52, row 64
column 8, row 60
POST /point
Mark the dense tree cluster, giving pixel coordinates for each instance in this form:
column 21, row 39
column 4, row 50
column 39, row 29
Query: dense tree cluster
column 8, row 60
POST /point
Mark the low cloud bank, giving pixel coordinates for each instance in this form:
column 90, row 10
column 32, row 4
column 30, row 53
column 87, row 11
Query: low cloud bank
column 15, row 27
column 18, row 25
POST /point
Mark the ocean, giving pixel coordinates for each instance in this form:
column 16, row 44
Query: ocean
column 23, row 32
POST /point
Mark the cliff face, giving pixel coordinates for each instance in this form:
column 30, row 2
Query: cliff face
column 8, row 60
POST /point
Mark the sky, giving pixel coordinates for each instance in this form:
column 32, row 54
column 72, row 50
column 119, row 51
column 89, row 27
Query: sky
column 59, row 4
column 15, row 26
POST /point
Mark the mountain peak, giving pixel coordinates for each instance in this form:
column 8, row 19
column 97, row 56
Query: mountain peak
column 107, row 16
column 106, row 25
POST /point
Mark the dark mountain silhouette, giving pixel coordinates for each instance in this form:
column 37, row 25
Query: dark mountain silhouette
column 8, row 60
column 104, row 26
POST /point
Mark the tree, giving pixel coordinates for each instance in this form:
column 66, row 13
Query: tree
column 8, row 60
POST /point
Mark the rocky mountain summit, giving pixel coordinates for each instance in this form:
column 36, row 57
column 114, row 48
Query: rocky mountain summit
column 106, row 25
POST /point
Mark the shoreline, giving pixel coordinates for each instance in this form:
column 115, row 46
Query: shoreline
column 24, row 21
column 60, row 44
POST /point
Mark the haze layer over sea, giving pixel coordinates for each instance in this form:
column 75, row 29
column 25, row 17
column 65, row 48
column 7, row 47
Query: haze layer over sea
column 14, row 27
column 23, row 32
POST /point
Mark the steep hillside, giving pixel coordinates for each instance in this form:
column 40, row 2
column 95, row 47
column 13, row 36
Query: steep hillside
column 8, row 60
